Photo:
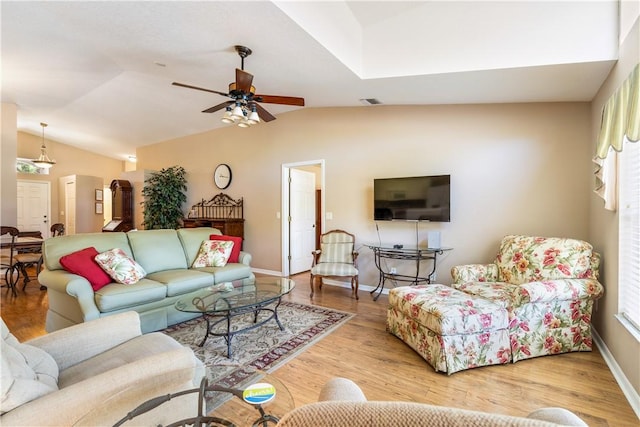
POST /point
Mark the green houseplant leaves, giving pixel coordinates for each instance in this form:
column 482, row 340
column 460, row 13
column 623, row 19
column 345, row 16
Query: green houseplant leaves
column 164, row 193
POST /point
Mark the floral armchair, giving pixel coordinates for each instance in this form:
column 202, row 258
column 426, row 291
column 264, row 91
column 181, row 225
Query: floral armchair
column 548, row 286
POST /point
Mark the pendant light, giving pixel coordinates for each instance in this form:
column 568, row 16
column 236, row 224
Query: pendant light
column 43, row 161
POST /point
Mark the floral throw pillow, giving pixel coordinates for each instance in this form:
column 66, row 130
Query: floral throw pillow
column 213, row 253
column 120, row 267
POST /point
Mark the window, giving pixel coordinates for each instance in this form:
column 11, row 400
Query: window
column 629, row 238
column 27, row 166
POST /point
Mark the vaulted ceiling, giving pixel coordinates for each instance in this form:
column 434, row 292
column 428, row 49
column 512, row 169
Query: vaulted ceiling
column 100, row 73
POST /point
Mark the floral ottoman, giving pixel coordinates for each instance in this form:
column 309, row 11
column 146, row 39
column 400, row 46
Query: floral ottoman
column 451, row 330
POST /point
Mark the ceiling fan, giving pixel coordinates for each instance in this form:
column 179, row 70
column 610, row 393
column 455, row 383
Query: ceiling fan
column 244, row 108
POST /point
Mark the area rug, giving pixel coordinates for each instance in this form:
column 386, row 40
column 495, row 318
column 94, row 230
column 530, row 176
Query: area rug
column 263, row 349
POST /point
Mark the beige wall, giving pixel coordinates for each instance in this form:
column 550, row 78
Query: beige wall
column 603, row 231
column 520, row 168
column 70, row 161
column 8, row 149
column 86, row 219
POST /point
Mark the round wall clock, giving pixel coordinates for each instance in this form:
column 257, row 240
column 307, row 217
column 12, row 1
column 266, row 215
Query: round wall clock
column 222, row 176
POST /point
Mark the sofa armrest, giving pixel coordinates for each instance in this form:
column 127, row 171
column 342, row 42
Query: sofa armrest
column 244, row 258
column 561, row 289
column 72, row 345
column 74, row 285
column 119, row 390
column 475, row 273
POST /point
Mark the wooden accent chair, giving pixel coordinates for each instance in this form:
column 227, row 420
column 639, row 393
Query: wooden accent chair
column 335, row 258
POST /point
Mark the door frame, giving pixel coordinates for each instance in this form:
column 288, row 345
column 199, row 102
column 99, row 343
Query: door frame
column 48, row 185
column 284, row 213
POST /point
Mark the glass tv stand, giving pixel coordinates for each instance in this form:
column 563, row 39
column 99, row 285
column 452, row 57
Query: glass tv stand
column 405, row 253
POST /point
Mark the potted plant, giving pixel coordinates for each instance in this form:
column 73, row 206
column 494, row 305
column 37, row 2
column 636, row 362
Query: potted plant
column 164, row 193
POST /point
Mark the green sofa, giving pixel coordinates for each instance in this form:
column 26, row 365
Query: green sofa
column 165, row 255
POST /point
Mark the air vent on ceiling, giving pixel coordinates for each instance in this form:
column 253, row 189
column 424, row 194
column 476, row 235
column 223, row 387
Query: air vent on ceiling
column 370, row 101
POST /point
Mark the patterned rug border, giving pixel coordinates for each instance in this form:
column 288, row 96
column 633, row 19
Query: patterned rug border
column 284, row 352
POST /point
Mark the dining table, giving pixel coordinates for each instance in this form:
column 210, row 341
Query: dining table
column 25, row 241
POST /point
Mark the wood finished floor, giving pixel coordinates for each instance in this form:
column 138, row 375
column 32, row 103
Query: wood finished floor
column 386, row 369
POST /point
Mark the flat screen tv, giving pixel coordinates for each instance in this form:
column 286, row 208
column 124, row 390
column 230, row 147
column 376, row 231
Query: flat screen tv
column 421, row 198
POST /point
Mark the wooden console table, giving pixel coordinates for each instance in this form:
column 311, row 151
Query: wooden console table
column 221, row 212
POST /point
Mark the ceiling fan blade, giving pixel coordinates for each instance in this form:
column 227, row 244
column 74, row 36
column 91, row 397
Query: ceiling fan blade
column 199, row 88
column 265, row 116
column 275, row 99
column 218, row 107
column 243, row 80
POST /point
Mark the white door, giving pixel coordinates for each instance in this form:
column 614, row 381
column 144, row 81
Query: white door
column 302, row 222
column 33, row 206
column 70, row 208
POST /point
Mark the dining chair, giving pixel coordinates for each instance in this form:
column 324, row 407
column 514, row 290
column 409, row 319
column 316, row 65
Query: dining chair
column 27, row 257
column 335, row 258
column 8, row 264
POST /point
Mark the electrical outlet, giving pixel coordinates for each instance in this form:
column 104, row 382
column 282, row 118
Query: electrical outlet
column 433, row 277
column 393, row 270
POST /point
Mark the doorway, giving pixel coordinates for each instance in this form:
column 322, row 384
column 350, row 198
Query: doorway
column 299, row 203
column 34, row 206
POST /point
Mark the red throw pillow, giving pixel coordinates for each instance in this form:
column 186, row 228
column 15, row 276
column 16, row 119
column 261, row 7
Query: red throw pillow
column 83, row 264
column 237, row 244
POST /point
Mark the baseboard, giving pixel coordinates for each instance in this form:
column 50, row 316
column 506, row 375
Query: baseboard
column 627, row 389
column 267, row 272
column 330, row 282
column 361, row 287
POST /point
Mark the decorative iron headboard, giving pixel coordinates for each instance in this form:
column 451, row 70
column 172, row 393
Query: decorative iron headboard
column 221, row 206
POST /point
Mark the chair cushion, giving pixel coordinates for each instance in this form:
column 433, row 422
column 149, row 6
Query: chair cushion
column 191, row 239
column 157, row 250
column 334, row 269
column 83, row 264
column 182, row 281
column 447, row 311
column 54, row 249
column 120, row 267
column 213, row 253
column 336, row 252
column 135, row 349
column 229, row 273
column 28, row 372
column 117, row 296
column 523, row 259
column 237, row 244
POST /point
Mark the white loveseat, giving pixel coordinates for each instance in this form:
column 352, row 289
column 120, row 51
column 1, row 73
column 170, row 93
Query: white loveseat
column 94, row 374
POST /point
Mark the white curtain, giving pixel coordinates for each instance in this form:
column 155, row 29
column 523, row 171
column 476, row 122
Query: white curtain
column 620, row 119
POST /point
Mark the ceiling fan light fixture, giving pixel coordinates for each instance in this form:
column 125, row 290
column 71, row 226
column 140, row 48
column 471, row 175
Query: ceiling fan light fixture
column 43, row 161
column 253, row 118
column 237, row 112
column 227, row 117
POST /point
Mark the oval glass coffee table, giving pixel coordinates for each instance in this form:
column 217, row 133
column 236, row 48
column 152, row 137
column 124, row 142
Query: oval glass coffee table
column 220, row 304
